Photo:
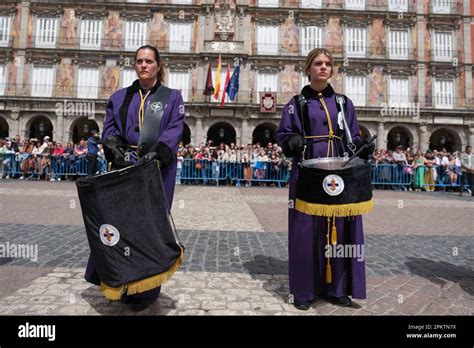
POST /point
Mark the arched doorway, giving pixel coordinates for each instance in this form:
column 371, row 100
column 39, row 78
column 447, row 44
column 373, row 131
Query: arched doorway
column 41, row 127
column 398, row 136
column 445, row 139
column 221, row 132
column 263, row 134
column 82, row 129
column 364, row 132
column 4, row 129
column 186, row 137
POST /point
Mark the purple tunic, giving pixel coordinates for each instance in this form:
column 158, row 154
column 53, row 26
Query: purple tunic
column 171, row 129
column 307, row 233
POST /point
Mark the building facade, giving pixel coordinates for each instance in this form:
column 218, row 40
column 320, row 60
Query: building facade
column 406, row 64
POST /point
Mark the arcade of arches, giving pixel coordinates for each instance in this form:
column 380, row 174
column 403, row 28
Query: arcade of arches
column 447, row 137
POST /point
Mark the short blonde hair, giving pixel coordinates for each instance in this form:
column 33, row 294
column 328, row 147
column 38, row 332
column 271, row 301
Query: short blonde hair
column 313, row 54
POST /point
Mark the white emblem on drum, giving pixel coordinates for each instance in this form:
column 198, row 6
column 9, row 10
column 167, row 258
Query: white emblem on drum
column 109, row 235
column 333, row 185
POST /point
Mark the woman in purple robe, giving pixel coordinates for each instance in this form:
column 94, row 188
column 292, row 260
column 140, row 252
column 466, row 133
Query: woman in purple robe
column 308, row 233
column 124, row 122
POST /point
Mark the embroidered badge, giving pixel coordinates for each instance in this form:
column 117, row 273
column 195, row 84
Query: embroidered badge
column 109, row 235
column 156, row 106
column 333, row 185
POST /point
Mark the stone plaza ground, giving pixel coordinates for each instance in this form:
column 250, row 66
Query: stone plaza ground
column 419, row 254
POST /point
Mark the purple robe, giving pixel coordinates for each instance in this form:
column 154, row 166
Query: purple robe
column 307, row 233
column 171, row 129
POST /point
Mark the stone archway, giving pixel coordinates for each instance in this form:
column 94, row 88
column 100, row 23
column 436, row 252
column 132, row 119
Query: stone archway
column 445, row 138
column 399, row 135
column 39, row 127
column 263, row 134
column 4, row 128
column 221, row 132
column 82, row 128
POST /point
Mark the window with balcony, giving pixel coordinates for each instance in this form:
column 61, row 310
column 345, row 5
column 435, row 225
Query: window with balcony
column 444, row 94
column 91, row 34
column 398, row 44
column 355, row 4
column 5, row 23
column 267, row 39
column 356, row 89
column 442, row 46
column 87, row 83
column 3, row 79
column 311, row 3
column 356, row 42
column 268, row 3
column 266, row 82
column 180, row 80
column 180, row 37
column 42, row 80
column 398, row 5
column 135, row 35
column 46, row 32
column 311, row 37
column 128, row 77
column 441, row 6
column 399, row 91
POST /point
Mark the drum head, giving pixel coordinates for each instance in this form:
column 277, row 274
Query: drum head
column 331, row 163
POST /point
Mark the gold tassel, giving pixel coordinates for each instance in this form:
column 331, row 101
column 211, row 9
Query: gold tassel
column 143, row 285
column 328, row 273
column 333, row 231
column 338, row 210
column 328, row 265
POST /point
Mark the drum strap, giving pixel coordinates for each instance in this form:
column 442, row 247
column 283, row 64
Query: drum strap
column 303, row 116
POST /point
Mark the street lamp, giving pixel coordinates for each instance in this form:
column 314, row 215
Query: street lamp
column 267, row 133
column 221, row 133
column 86, row 128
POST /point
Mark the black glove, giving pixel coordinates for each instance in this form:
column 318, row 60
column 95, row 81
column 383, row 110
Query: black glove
column 294, row 145
column 367, row 151
column 150, row 156
column 114, row 151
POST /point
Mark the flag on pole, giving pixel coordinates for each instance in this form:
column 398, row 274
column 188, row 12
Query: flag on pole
column 233, row 86
column 218, row 79
column 209, row 88
column 227, row 78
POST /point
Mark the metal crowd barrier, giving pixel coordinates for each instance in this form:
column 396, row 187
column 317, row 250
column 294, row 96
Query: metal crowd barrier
column 30, row 166
column 225, row 172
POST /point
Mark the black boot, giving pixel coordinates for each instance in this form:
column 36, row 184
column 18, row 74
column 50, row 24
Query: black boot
column 302, row 304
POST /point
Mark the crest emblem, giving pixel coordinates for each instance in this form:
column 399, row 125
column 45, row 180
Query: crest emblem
column 109, row 235
column 156, row 106
column 333, row 185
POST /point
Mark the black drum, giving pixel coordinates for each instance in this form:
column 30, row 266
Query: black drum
column 326, row 188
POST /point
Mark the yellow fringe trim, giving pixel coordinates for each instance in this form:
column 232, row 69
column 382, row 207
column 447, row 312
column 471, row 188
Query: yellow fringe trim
column 143, row 285
column 338, row 210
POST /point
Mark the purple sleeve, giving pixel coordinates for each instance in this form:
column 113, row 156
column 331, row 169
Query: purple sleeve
column 289, row 124
column 172, row 134
column 110, row 124
column 352, row 120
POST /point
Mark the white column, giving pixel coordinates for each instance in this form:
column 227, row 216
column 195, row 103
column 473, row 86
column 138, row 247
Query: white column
column 381, row 141
column 198, row 138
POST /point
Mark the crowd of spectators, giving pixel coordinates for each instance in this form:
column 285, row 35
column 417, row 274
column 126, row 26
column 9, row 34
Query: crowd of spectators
column 251, row 164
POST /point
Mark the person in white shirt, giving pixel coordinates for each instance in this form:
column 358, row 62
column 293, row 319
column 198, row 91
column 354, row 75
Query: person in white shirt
column 467, row 164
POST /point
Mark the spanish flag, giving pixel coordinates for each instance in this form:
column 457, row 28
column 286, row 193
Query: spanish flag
column 227, row 78
column 218, row 78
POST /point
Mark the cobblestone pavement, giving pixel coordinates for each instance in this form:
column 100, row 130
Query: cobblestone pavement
column 419, row 254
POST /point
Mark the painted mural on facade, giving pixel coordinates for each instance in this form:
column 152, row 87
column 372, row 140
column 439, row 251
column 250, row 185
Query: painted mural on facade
column 333, row 39
column 158, row 32
column 68, row 29
column 65, row 78
column 289, row 36
column 113, row 31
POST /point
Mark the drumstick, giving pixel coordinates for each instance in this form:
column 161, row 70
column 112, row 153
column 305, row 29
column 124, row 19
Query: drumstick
column 371, row 140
